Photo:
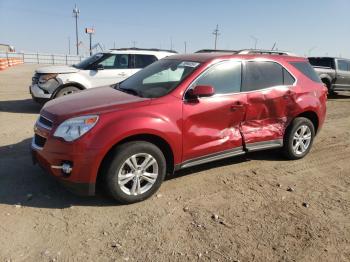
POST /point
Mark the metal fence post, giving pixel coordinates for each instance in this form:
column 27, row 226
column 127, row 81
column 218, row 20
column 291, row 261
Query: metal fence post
column 37, row 57
column 7, row 58
column 53, row 59
column 23, row 57
column 66, row 60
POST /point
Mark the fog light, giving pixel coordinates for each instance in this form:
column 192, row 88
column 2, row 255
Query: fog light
column 66, row 168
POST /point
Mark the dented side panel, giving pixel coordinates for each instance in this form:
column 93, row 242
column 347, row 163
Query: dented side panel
column 268, row 113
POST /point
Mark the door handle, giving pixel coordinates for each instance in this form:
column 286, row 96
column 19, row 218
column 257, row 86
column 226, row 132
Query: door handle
column 236, row 106
column 122, row 74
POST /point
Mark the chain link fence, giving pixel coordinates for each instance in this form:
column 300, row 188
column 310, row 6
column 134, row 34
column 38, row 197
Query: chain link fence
column 41, row 58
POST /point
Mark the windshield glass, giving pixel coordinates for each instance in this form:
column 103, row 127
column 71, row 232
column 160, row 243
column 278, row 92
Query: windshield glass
column 159, row 78
column 88, row 61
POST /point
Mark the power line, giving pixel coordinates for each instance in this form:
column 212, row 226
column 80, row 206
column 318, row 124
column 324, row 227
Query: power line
column 216, row 33
column 76, row 13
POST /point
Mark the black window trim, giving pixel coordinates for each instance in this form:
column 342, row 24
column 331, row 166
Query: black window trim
column 243, row 67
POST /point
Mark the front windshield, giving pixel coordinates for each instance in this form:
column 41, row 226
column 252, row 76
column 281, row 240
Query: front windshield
column 88, row 61
column 159, row 78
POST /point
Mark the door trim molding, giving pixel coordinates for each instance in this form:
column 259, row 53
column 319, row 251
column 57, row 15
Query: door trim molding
column 210, row 158
column 251, row 147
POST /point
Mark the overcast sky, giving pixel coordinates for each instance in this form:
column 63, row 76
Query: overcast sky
column 316, row 27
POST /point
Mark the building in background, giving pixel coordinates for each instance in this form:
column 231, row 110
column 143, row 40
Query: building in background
column 6, row 48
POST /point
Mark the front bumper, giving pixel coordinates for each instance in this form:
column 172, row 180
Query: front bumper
column 38, row 94
column 82, row 179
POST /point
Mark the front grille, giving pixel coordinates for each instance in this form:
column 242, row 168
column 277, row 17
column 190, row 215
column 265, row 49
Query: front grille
column 39, row 140
column 44, row 122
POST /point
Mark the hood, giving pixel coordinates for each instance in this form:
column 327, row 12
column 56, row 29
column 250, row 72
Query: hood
column 91, row 101
column 57, row 69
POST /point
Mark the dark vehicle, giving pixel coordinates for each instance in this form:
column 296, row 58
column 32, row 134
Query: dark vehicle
column 334, row 72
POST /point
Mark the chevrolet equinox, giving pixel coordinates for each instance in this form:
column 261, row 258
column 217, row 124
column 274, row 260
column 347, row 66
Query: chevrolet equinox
column 178, row 112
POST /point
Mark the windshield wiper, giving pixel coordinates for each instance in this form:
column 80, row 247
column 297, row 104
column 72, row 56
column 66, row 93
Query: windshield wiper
column 127, row 90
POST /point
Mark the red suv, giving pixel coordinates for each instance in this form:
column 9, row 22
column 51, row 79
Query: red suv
column 181, row 111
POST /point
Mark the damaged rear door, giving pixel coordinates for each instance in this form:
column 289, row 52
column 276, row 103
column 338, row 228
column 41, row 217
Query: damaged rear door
column 269, row 104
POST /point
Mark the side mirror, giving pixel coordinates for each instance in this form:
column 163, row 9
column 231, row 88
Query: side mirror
column 97, row 67
column 201, row 91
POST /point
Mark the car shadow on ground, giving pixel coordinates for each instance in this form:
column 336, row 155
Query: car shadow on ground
column 25, row 184
column 339, row 96
column 27, row 106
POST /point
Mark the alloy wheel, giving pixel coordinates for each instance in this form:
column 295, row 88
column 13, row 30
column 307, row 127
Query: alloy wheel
column 138, row 174
column 301, row 139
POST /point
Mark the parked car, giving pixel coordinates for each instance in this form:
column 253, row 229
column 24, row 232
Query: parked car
column 181, row 111
column 104, row 68
column 334, row 72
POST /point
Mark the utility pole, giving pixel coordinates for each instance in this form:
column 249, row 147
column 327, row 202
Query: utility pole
column 134, row 43
column 76, row 12
column 216, row 33
column 68, row 45
column 171, row 43
column 114, row 45
column 185, row 47
column 255, row 41
column 90, row 31
column 274, row 45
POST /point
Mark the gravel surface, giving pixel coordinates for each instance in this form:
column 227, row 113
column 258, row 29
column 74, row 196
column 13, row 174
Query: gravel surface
column 240, row 209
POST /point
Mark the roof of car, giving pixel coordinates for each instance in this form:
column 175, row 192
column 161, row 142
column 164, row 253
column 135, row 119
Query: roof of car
column 206, row 57
column 135, row 50
column 328, row 57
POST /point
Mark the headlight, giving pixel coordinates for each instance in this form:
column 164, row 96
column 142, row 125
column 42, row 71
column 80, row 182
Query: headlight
column 46, row 77
column 74, row 128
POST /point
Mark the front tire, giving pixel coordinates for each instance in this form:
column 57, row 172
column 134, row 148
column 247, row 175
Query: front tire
column 67, row 91
column 135, row 172
column 298, row 138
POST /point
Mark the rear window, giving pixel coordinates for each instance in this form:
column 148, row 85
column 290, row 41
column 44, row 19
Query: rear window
column 322, row 62
column 141, row 61
column 307, row 70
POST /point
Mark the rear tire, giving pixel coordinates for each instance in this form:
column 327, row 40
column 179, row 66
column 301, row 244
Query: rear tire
column 329, row 87
column 135, row 172
column 298, row 138
column 67, row 91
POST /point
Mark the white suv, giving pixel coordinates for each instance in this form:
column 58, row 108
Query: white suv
column 101, row 69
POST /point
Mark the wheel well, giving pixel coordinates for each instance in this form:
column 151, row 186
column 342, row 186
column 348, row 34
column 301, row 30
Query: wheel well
column 156, row 140
column 326, row 81
column 312, row 116
column 77, row 85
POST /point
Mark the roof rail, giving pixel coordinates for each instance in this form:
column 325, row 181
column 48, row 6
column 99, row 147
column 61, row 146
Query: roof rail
column 143, row 49
column 264, row 52
column 216, row 51
column 247, row 52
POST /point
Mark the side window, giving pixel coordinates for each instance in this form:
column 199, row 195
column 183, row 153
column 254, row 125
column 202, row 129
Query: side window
column 225, row 77
column 116, row 62
column 307, row 70
column 288, row 79
column 141, row 61
column 260, row 75
column 342, row 65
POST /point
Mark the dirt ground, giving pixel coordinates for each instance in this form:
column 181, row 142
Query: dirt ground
column 233, row 210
